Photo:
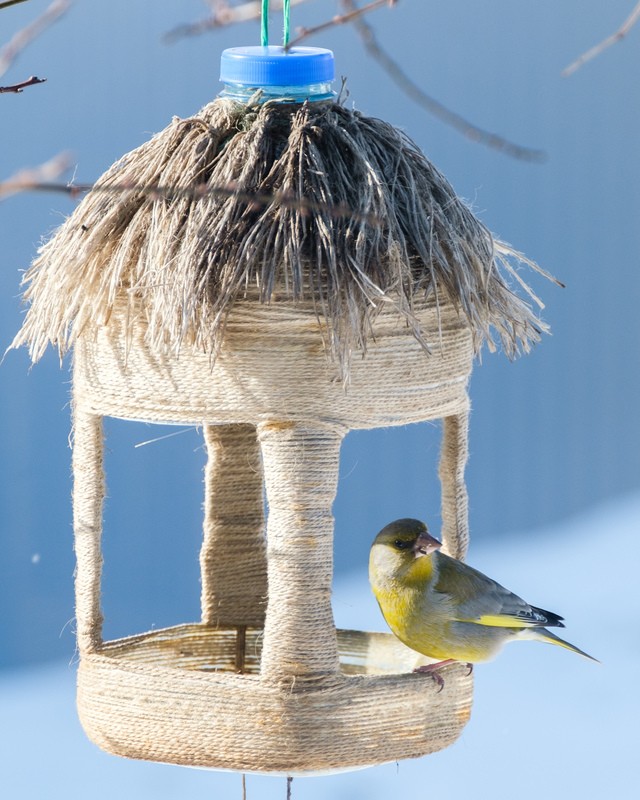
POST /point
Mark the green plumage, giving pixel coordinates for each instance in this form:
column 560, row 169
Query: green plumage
column 445, row 609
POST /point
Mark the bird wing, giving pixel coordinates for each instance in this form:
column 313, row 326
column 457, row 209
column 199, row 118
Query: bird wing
column 477, row 598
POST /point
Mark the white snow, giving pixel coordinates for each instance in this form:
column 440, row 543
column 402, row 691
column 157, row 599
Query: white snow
column 545, row 722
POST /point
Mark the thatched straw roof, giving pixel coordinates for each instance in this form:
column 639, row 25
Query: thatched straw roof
column 346, row 211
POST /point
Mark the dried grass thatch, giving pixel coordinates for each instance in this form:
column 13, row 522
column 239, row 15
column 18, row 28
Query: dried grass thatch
column 271, row 201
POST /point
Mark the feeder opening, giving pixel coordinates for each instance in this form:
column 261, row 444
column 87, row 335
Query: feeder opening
column 409, row 469
column 155, row 474
column 152, row 526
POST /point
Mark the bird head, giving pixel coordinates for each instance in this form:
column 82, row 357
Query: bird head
column 398, row 545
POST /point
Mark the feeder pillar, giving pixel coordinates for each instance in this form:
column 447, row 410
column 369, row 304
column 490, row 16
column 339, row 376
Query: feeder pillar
column 233, row 557
column 88, row 498
column 454, row 499
column 301, row 474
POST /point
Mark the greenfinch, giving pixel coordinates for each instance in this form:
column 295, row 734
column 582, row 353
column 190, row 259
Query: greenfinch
column 443, row 608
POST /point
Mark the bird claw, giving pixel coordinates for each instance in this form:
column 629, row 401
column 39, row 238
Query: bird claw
column 432, row 669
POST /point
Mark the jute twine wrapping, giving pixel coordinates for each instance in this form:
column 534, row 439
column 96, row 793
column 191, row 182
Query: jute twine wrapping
column 301, row 475
column 453, row 459
column 144, row 709
column 272, row 365
column 233, row 558
column 297, row 706
column 88, row 497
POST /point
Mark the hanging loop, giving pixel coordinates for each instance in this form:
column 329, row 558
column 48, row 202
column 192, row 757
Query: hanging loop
column 286, row 23
column 264, row 25
column 286, row 29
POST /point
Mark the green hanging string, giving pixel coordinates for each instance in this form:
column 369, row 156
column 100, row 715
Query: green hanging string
column 286, row 11
column 264, row 27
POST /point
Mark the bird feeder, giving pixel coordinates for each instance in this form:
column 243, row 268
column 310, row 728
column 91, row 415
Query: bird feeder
column 278, row 270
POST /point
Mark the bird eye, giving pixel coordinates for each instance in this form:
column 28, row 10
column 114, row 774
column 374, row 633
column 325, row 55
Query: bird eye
column 401, row 544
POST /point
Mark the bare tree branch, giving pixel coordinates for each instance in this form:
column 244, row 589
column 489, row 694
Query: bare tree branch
column 430, row 104
column 20, row 40
column 43, row 179
column 27, row 179
column 223, row 15
column 16, row 88
column 8, row 3
column 615, row 37
column 340, row 19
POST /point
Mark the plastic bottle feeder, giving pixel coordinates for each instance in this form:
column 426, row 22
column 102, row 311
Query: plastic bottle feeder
column 279, row 270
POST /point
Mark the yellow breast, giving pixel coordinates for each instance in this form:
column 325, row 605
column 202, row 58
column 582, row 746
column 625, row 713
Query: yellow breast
column 400, row 592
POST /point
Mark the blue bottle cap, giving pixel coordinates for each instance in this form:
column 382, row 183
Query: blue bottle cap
column 275, row 66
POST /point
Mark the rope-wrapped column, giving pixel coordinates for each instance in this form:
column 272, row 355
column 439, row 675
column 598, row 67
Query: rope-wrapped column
column 88, row 497
column 233, row 557
column 455, row 506
column 301, row 473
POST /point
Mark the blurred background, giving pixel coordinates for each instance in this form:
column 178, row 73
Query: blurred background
column 555, row 435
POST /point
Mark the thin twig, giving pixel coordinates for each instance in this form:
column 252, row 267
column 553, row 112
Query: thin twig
column 26, row 178
column 23, row 37
column 8, row 3
column 34, row 181
column 430, row 104
column 339, row 19
column 222, row 16
column 622, row 31
column 16, row 88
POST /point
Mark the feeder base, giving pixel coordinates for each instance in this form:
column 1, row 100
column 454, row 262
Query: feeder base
column 189, row 695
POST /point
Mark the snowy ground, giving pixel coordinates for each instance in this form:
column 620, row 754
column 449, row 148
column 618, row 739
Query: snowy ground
column 545, row 723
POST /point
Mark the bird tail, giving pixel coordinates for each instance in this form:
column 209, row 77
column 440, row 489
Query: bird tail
column 543, row 635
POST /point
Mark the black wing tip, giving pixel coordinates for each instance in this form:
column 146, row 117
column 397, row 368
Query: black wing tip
column 549, row 619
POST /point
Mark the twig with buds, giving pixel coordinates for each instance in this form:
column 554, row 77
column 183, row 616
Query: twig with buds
column 339, row 19
column 617, row 36
column 16, row 88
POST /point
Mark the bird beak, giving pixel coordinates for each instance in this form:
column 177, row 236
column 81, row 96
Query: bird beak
column 425, row 545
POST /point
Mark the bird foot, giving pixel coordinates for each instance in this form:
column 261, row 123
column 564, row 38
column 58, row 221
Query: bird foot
column 432, row 669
